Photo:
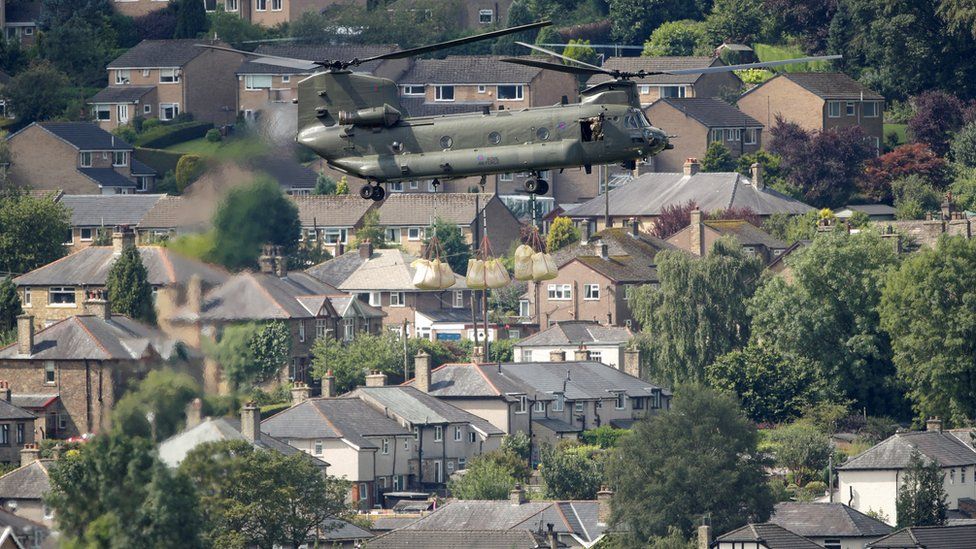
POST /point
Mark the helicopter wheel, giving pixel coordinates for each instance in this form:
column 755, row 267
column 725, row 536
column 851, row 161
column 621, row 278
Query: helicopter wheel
column 379, row 193
column 366, row 192
column 531, row 185
column 543, row 187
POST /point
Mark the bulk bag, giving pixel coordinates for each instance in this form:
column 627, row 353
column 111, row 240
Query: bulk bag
column 476, row 275
column 496, row 275
column 523, row 262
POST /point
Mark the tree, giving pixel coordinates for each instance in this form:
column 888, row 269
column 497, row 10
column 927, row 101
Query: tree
column 580, row 50
column 562, row 233
column 921, row 496
column 718, row 158
column 673, row 218
column 188, row 168
column 371, row 231
column 342, row 187
column 736, row 21
column 9, row 305
column 232, row 28
column 914, row 197
column 250, row 216
column 191, row 19
column 261, row 497
column 456, row 249
column 964, row 146
column 158, row 24
column 677, row 38
column 699, row 459
column 323, row 183
column 484, row 478
column 938, row 115
column 807, row 19
column 164, row 394
column 571, row 472
column 349, row 362
column 80, row 48
column 251, row 352
column 631, row 21
column 927, row 308
column 32, row 231
column 128, row 287
column 964, row 189
column 771, row 387
column 801, row 448
column 37, row 94
column 55, row 13
column 271, row 349
column 912, row 159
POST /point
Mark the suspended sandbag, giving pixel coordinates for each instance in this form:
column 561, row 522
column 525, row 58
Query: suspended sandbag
column 496, row 275
column 447, row 276
column 476, row 275
column 543, row 267
column 432, row 273
column 523, row 262
column 421, row 273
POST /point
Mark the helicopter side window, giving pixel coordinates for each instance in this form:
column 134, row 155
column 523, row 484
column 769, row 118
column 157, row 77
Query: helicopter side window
column 592, row 128
column 446, row 142
column 542, row 134
column 494, row 138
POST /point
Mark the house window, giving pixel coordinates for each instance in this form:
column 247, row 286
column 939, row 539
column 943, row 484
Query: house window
column 230, row 5
column 751, row 136
column 5, row 434
column 472, row 437
column 122, row 76
column 962, row 476
column 596, row 356
column 506, row 176
column 486, row 17
column 363, row 487
column 457, row 433
column 147, row 109
column 416, row 435
column 301, row 331
column 870, row 109
column 334, row 236
column 539, row 406
column 397, row 299
column 86, row 233
column 169, row 111
column 396, row 187
column 560, row 292
column 458, row 299
column 28, row 31
column 952, row 476
column 169, row 76
column 832, row 544
column 261, row 5
column 851, row 109
column 559, row 403
column 49, row 373
column 509, row 93
column 523, row 308
column 444, row 93
column 120, row 158
column 462, row 463
column 733, row 135
column 348, row 329
column 621, row 402
column 715, row 136
column 414, row 185
column 438, row 433
column 579, row 406
column 86, row 160
column 393, row 234
column 482, row 88
column 591, row 292
column 286, row 79
column 27, row 297
column 386, row 446
column 672, row 91
column 102, row 113
column 833, row 109
column 142, row 183
column 318, row 447
column 637, row 403
column 523, row 405
column 257, row 82
column 514, row 333
column 413, row 233
column 645, row 89
column 275, row 5
column 20, row 433
column 321, row 327
column 411, row 89
column 376, row 299
column 61, row 295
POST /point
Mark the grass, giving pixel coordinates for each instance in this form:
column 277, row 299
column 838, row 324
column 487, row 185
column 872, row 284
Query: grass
column 767, row 52
column 899, row 129
column 233, row 148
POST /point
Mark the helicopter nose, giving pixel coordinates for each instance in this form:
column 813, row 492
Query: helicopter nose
column 657, row 140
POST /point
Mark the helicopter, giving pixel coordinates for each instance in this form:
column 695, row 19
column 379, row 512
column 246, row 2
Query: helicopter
column 356, row 123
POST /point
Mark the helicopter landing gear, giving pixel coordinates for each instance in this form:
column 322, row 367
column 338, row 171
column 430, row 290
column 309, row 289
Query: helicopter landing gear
column 536, row 186
column 372, row 192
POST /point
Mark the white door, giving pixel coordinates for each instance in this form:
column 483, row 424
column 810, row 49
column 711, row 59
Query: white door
column 439, row 472
column 123, row 112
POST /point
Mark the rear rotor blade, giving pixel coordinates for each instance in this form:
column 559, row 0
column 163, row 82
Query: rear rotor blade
column 451, row 43
column 554, row 66
column 554, row 54
column 266, row 59
column 761, row 65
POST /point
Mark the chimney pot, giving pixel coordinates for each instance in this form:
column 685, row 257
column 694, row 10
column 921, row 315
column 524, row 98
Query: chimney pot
column 421, row 365
column 934, row 424
column 123, row 237
column 366, row 249
column 25, row 335
column 704, row 536
column 97, row 306
column 477, row 354
column 376, row 379
column 194, row 413
column 581, row 355
column 603, row 498
column 557, row 356
column 697, row 232
column 603, row 250
column 691, row 167
column 251, row 422
column 5, row 393
column 299, row 393
column 632, row 362
column 585, row 232
column 328, row 385
column 29, row 454
column 757, row 178
column 194, row 293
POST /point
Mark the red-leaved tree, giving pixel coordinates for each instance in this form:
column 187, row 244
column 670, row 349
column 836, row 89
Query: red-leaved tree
column 937, row 116
column 675, row 217
column 911, row 159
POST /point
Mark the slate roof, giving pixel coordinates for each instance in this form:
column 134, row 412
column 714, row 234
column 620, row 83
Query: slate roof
column 420, row 408
column 13, row 412
column 557, row 425
column 90, row 267
column 138, row 168
column 831, row 85
column 121, row 94
column 746, row 233
column 23, row 12
column 335, row 271
column 23, row 528
column 31, row 481
column 420, row 209
column 108, row 177
column 928, row 537
column 577, row 332
column 384, row 523
column 895, row 451
column 33, row 400
column 773, row 536
column 85, row 136
column 870, row 209
column 386, row 270
column 331, row 210
column 628, row 259
column 159, row 53
column 108, row 210
column 471, row 539
column 174, row 212
column 827, row 520
column 314, row 52
column 650, row 193
column 653, row 64
column 473, row 380
column 340, row 530
column 419, row 106
column 287, row 172
column 712, row 112
column 468, row 69
column 332, row 418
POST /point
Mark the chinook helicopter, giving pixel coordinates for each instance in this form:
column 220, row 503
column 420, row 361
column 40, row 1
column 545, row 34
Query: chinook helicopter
column 356, row 123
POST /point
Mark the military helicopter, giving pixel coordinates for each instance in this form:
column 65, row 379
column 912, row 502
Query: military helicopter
column 356, row 123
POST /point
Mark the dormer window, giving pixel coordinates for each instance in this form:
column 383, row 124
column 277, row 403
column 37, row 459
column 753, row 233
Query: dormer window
column 86, row 159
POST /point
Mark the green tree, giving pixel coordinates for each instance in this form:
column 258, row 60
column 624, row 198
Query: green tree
column 580, row 50
column 571, row 472
column 801, row 448
column 964, row 188
column 921, row 496
column 164, row 394
column 32, row 231
column 456, row 249
column 249, row 217
column 128, row 287
column 9, row 305
column 736, row 21
column 349, row 362
column 37, row 94
column 604, row 436
column 324, row 184
column 699, row 459
column 631, row 21
column 963, row 146
column 562, row 233
column 914, row 197
column 342, row 187
column 677, row 38
column 232, row 28
column 188, row 168
column 191, row 19
column 718, row 158
column 927, row 307
column 483, row 479
column 251, row 352
column 271, row 348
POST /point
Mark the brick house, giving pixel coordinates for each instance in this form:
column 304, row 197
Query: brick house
column 94, row 217
column 19, row 20
column 817, row 101
column 76, row 158
column 16, row 427
column 658, row 86
column 700, row 235
column 22, row 491
column 699, row 122
column 330, row 221
column 164, row 78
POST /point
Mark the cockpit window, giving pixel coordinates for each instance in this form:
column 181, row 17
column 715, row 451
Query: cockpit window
column 631, row 122
column 642, row 119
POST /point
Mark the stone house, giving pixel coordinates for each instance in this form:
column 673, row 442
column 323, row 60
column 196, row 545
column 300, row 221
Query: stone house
column 76, row 158
column 659, row 86
column 22, row 490
column 605, row 344
column 830, row 525
column 94, row 217
column 762, row 536
column 700, row 235
column 817, row 101
column 699, row 122
column 16, row 427
column 165, row 78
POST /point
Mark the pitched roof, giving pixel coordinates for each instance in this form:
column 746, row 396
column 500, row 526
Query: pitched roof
column 108, row 210
column 773, row 536
column 340, row 530
column 827, row 520
column 578, row 332
column 314, row 52
column 90, row 267
column 831, row 85
column 420, row 408
column 336, row 418
column 23, row 528
column 85, row 136
column 656, row 64
column 386, row 269
column 468, row 69
column 88, row 337
column 870, row 209
column 746, row 233
column 895, row 451
column 650, row 193
column 138, row 168
column 121, row 94
column 629, row 259
column 28, row 11
column 12, row 412
column 159, row 53
column 174, row 212
column 331, row 210
column 287, row 171
column 422, row 208
column 471, row 539
column 473, row 380
column 712, row 112
column 31, row 481
column 26, row 400
column 928, row 537
column 107, row 177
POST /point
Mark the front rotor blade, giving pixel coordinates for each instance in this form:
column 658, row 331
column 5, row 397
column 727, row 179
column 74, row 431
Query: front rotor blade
column 554, row 66
column 761, row 65
column 266, row 59
column 554, row 54
column 451, row 43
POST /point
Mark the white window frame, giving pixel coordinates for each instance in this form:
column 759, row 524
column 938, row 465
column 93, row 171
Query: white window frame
column 163, row 108
column 751, row 136
column 413, row 233
column 486, row 16
column 386, row 446
column 506, row 177
column 331, row 235
column 462, row 463
column 472, row 437
column 321, row 327
column 524, row 308
column 645, row 89
column 522, row 405
column 591, row 292
column 301, row 331
column 147, row 108
column 376, row 299
column 81, row 234
column 679, row 91
column 458, row 299
column 875, row 109
column 348, row 329
column 398, row 299
column 231, row 5
column 560, row 292
column 122, row 77
column 850, row 109
column 62, row 290
column 482, row 88
column 90, row 156
column 254, row 82
column 519, row 94
column 733, row 134
column 716, row 136
column 559, row 404
column 396, row 186
column 260, row 5
column 27, row 298
column 286, row 79
column 50, row 374
column 833, row 109
column 413, row 89
column 120, row 158
column 458, row 433
column 539, row 406
column 439, row 94
column 438, row 433
column 579, row 407
column 317, row 448
column 102, row 112
column 276, row 3
column 169, row 76
column 621, row 402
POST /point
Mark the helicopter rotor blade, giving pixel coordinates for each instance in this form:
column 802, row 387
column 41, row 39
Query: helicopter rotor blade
column 267, row 59
column 451, row 43
column 761, row 65
column 571, row 69
column 554, row 54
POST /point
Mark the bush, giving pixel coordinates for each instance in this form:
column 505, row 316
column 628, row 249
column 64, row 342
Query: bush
column 213, row 135
column 603, row 436
column 167, row 135
column 150, row 123
column 126, row 133
column 158, row 159
column 187, row 170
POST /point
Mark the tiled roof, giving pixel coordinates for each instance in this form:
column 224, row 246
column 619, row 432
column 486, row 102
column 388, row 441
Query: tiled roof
column 655, row 64
column 336, row 418
column 712, row 112
column 33, row 400
column 420, row 408
column 121, row 94
column 25, row 11
column 24, row 528
column 746, row 233
column 159, row 53
column 928, row 537
column 86, row 136
column 827, row 520
column 32, row 481
column 832, row 85
column 578, row 332
column 387, row 270
column 314, row 53
column 335, row 271
column 628, row 259
column 771, row 535
column 13, row 412
column 557, row 425
column 339, row 530
column 90, row 267
column 331, row 210
column 473, row 380
column 650, row 193
column 468, row 69
column 872, row 209
column 471, row 539
column 895, row 451
column 287, row 171
column 108, row 210
column 174, row 212
column 87, row 337
column 108, row 177
column 138, row 168
column 420, row 209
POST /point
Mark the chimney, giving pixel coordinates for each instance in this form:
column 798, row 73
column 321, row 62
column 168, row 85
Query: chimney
column 29, row 454
column 585, row 232
column 757, row 178
column 477, row 354
column 632, row 362
column 329, row 385
column 603, row 498
column 194, row 413
column 194, row 293
column 517, row 495
column 934, row 424
column 25, row 335
column 697, row 234
column 251, row 422
column 5, row 390
column 557, row 356
column 376, row 379
column 551, row 536
column 421, row 367
column 271, row 261
column 96, row 305
column 366, row 249
column 692, row 167
column 300, row 393
column 602, row 250
column 581, row 355
column 122, row 238
column 634, row 227
column 704, row 536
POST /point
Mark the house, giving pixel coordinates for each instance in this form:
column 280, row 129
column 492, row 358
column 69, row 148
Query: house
column 763, row 536
column 700, row 235
column 817, row 101
column 928, row 537
column 601, row 343
column 76, row 158
column 875, row 212
column 165, row 78
column 46, row 407
column 330, row 221
column 595, row 278
column 16, row 427
column 698, row 122
column 830, row 525
column 470, row 539
column 171, row 216
column 657, row 86
column 310, row 308
column 94, row 217
column 19, row 20
column 293, row 178
column 649, row 194
column 22, row 490
column 57, row 290
column 30, row 534
column 869, row 481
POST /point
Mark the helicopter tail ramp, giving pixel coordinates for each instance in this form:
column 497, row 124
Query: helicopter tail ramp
column 322, row 96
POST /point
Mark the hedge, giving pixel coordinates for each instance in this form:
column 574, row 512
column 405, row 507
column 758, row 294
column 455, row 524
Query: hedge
column 161, row 137
column 158, row 159
column 272, row 409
